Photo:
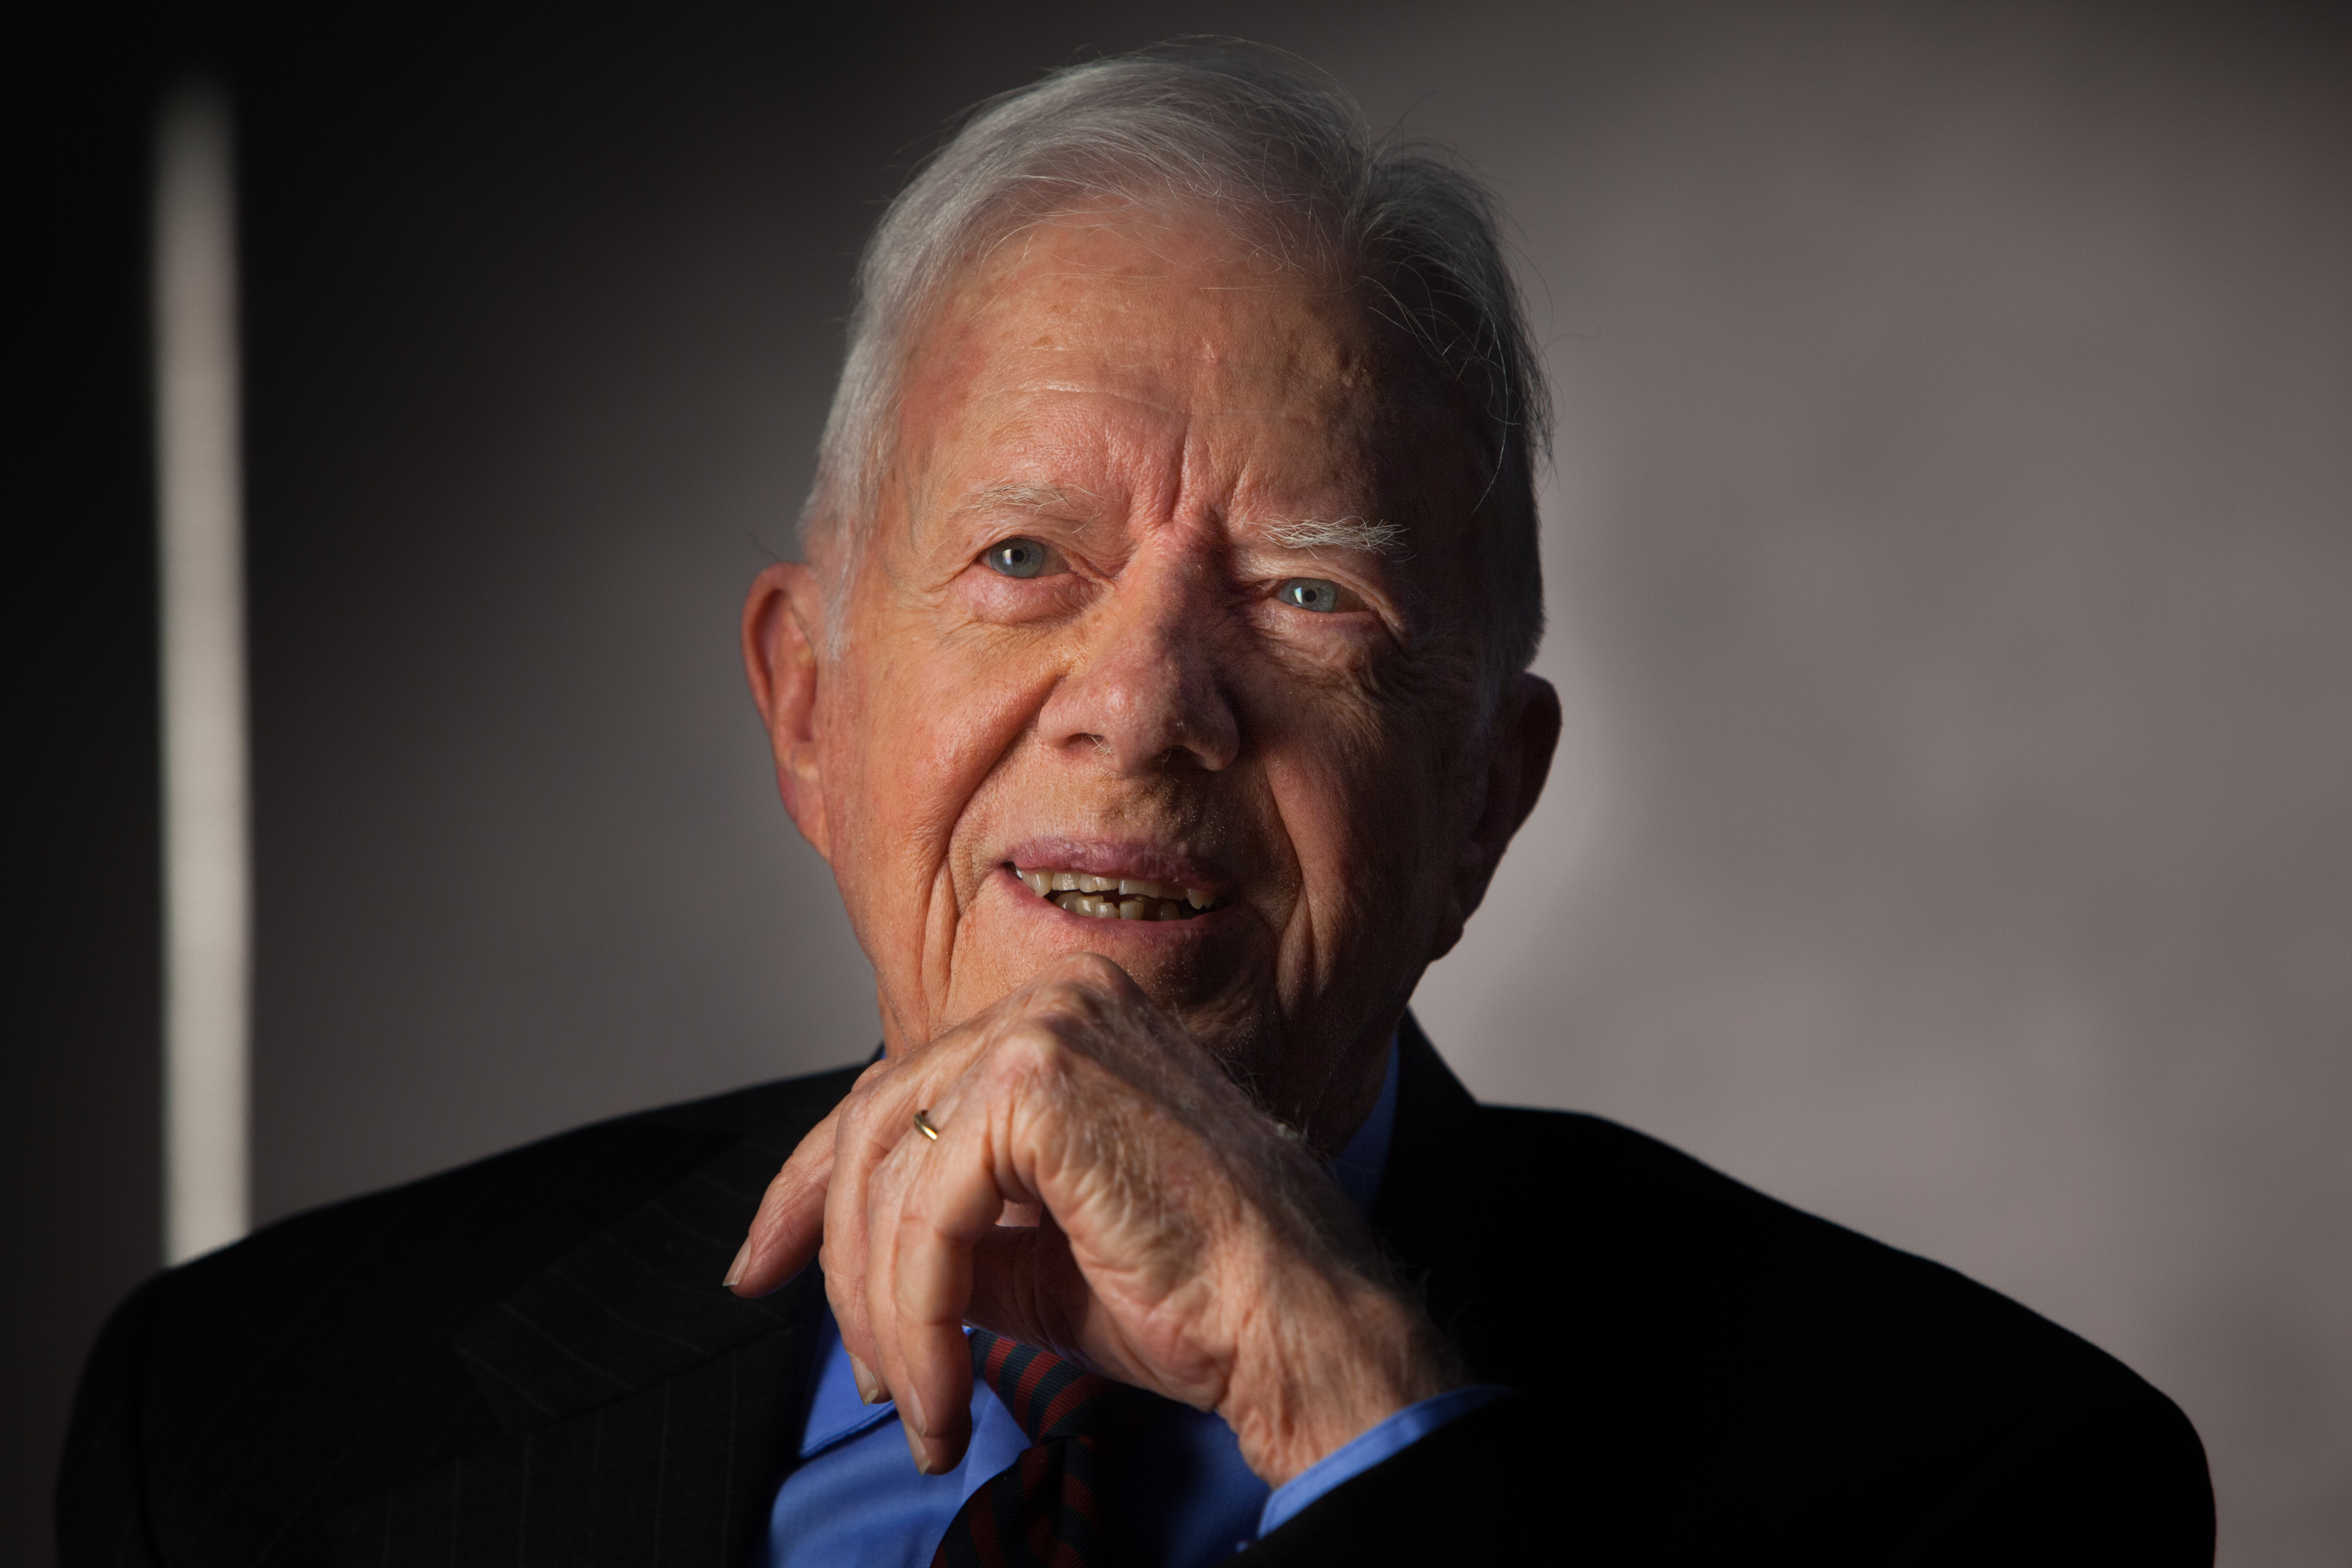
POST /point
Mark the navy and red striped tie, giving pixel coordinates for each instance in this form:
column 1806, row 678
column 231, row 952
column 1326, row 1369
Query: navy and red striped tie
column 1046, row 1510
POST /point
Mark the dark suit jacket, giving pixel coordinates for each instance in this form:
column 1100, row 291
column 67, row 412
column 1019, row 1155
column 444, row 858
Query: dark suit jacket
column 530, row 1360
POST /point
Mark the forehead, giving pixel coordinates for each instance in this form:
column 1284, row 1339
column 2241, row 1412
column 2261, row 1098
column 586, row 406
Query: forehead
column 1148, row 348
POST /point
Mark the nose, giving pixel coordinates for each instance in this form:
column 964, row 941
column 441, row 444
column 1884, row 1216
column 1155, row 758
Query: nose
column 1146, row 694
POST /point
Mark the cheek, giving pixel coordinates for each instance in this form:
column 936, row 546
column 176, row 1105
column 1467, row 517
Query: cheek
column 1355, row 785
column 924, row 734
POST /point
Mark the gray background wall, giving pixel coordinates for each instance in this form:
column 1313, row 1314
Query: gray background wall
column 1949, row 561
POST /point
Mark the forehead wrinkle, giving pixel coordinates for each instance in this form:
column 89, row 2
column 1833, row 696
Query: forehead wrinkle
column 1168, row 406
column 1188, row 474
column 1314, row 381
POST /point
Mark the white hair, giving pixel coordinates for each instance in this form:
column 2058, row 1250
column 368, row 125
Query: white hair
column 1281, row 151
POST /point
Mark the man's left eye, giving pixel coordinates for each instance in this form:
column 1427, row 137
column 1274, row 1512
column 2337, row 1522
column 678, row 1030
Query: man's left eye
column 1311, row 593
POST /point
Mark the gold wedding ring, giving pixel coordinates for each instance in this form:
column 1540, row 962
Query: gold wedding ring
column 923, row 1125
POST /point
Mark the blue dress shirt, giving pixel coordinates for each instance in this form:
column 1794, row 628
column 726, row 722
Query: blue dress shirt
column 1175, row 1473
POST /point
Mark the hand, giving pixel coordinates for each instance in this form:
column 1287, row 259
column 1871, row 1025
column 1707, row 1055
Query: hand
column 1099, row 1187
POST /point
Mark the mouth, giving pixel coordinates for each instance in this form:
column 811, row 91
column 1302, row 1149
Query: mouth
column 1108, row 897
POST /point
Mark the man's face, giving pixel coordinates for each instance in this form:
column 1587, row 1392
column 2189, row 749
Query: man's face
column 1092, row 637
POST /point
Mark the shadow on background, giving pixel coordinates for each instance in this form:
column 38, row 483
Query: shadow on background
column 1948, row 560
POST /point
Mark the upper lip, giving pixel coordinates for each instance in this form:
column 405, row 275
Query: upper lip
column 1116, row 858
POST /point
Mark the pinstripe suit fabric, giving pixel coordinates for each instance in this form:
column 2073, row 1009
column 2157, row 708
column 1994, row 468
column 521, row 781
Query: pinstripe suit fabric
column 526, row 1360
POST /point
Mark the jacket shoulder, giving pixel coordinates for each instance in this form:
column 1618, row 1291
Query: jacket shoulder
column 539, row 1196
column 1853, row 1392
column 1685, row 1245
column 341, row 1321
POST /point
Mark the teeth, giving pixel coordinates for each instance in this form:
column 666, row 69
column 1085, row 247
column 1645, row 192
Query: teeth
column 1102, row 906
column 1116, row 897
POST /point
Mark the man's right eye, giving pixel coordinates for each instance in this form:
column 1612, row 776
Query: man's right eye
column 1017, row 558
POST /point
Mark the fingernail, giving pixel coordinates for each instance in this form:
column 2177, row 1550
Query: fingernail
column 735, row 1270
column 915, row 1447
column 869, row 1387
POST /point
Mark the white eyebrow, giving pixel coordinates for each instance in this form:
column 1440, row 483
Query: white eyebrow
column 1345, row 533
column 1030, row 498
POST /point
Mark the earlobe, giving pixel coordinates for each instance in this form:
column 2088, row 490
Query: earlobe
column 782, row 631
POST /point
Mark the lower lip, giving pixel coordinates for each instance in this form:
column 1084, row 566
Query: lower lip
column 1142, row 931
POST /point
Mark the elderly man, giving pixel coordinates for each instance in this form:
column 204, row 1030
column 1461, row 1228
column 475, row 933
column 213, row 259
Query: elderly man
column 1156, row 686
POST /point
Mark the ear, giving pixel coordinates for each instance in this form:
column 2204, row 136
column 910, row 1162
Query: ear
column 783, row 627
column 1525, row 733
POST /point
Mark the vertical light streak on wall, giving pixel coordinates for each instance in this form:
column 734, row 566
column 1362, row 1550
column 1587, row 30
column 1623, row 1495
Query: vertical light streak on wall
column 206, row 869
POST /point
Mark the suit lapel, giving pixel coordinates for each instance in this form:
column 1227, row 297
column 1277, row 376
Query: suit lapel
column 633, row 1304
column 646, row 1413
column 1436, row 1125
column 1457, row 1215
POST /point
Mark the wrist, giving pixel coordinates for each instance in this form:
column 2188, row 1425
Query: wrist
column 1315, row 1374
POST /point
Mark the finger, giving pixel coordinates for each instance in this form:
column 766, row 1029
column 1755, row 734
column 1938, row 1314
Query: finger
column 884, row 1192
column 1027, row 1284
column 1021, row 1276
column 789, row 1224
column 940, row 1199
column 883, row 1187
column 878, row 1120
column 845, row 1252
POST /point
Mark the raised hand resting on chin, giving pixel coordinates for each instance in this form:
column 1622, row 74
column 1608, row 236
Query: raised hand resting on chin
column 1101, row 1188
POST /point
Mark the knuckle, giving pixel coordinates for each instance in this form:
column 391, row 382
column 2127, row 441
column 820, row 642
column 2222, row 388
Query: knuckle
column 1025, row 1053
column 1039, row 1063
column 1065, row 1006
column 862, row 1125
column 1081, row 964
column 1091, row 973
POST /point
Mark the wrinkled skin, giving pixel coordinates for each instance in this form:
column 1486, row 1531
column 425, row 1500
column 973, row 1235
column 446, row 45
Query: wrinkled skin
column 1154, row 405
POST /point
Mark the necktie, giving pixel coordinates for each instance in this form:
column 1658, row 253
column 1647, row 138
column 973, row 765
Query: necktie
column 1045, row 1511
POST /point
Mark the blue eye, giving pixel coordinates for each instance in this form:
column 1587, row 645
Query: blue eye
column 1017, row 558
column 1310, row 594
